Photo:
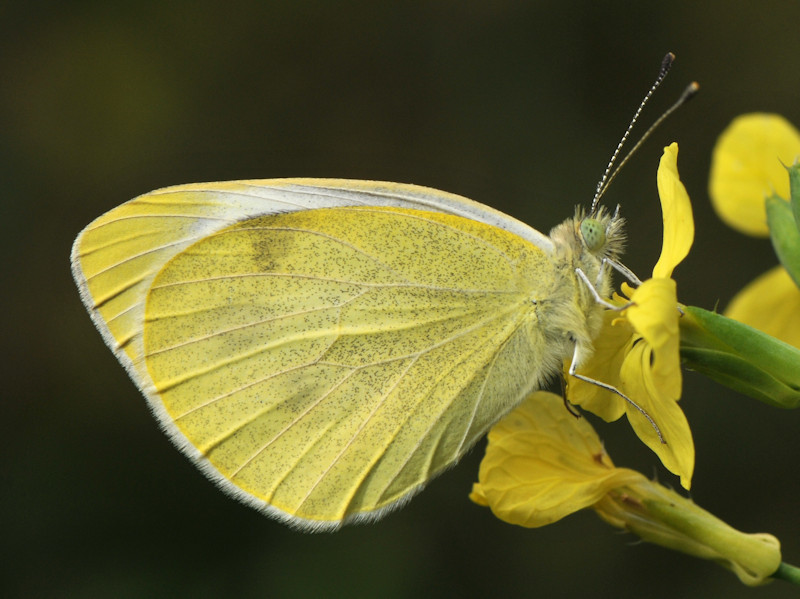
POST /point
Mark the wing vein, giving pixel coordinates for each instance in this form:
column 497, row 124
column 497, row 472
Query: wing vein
column 405, row 326
column 317, row 360
column 382, row 401
column 240, row 327
column 335, row 280
column 366, row 421
column 442, row 411
column 286, row 428
column 139, row 255
column 91, row 229
column 480, row 394
column 342, row 242
column 449, row 227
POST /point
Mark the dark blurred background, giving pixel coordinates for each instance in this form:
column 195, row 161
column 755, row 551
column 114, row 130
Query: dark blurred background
column 515, row 104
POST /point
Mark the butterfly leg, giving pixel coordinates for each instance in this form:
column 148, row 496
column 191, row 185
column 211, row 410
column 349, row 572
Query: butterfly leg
column 624, row 271
column 593, row 289
column 576, row 359
column 570, row 408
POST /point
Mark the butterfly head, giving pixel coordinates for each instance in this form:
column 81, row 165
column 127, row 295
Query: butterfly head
column 601, row 233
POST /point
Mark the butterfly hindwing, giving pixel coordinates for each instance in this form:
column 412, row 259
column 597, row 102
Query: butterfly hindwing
column 317, row 362
column 329, row 362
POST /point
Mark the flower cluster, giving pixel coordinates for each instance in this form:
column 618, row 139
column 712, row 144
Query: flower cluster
column 747, row 171
column 542, row 463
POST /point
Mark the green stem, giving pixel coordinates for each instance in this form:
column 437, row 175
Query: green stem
column 788, row 573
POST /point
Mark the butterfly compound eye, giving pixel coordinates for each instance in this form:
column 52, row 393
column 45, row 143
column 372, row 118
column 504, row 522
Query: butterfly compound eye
column 594, row 234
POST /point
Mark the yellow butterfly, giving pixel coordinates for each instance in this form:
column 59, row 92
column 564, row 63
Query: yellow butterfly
column 322, row 348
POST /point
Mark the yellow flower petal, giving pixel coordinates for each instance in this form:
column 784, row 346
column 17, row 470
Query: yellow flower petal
column 542, row 463
column 639, row 354
column 771, row 303
column 677, row 452
column 654, row 314
column 651, row 375
column 611, row 346
column 746, row 166
column 677, row 214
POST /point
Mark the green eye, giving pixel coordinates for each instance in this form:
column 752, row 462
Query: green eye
column 594, row 234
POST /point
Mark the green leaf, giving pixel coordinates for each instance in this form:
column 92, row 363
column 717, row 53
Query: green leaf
column 785, row 235
column 738, row 374
column 741, row 357
column 794, row 186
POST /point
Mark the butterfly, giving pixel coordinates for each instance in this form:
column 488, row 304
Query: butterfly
column 323, row 348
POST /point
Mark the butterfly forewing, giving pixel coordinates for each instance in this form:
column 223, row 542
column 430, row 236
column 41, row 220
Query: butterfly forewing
column 329, row 362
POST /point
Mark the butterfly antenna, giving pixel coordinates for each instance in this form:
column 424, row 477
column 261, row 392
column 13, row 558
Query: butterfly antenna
column 689, row 93
column 602, row 185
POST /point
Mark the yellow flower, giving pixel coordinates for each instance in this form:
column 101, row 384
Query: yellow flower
column 770, row 303
column 637, row 350
column 747, row 166
column 542, row 464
